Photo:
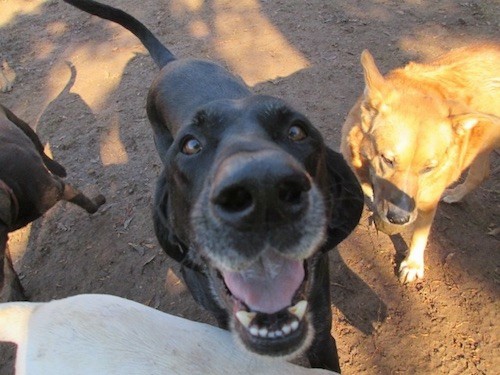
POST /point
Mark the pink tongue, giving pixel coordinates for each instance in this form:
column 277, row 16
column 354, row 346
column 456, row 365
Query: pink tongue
column 268, row 285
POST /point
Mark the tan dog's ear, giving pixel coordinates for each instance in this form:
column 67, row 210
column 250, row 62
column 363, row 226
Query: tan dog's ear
column 376, row 90
column 474, row 131
column 354, row 141
column 464, row 122
column 374, row 80
column 463, row 119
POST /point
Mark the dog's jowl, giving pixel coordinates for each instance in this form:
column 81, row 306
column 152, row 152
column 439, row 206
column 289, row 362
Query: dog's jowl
column 413, row 132
column 249, row 201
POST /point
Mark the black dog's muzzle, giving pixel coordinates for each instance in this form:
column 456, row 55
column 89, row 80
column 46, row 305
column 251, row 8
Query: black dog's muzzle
column 261, row 187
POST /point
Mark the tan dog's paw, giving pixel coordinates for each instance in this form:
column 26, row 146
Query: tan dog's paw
column 6, row 86
column 410, row 270
column 452, row 195
column 5, row 83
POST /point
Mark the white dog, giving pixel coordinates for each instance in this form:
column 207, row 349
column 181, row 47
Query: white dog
column 101, row 334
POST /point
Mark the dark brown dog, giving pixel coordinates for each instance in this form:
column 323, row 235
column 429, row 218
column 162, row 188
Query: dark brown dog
column 30, row 184
column 250, row 201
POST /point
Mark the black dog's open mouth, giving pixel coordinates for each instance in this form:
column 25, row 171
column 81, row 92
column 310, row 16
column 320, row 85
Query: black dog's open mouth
column 268, row 304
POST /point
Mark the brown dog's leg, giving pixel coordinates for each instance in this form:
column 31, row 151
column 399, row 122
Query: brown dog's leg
column 75, row 196
column 3, row 248
column 10, row 285
column 62, row 190
column 412, row 267
column 478, row 172
column 13, row 290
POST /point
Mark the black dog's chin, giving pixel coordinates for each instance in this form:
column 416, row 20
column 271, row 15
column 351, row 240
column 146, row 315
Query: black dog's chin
column 285, row 333
column 279, row 335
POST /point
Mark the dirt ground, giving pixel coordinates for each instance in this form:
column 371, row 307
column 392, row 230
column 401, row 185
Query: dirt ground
column 82, row 82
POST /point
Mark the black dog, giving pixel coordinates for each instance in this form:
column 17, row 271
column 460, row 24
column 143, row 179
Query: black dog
column 249, row 202
column 30, row 185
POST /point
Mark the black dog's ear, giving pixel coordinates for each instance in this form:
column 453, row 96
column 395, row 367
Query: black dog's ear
column 162, row 136
column 161, row 224
column 346, row 199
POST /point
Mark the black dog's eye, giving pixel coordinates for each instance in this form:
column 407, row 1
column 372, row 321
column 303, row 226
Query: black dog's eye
column 296, row 133
column 191, row 146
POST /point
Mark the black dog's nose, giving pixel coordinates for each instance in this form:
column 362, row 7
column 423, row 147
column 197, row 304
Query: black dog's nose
column 266, row 187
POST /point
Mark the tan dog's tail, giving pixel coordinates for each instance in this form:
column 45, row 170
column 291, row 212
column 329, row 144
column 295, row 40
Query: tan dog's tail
column 14, row 320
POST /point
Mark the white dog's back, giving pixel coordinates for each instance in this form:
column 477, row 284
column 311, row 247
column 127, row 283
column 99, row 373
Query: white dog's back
column 103, row 334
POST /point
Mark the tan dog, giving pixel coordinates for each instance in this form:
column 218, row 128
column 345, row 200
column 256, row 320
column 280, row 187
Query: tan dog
column 413, row 132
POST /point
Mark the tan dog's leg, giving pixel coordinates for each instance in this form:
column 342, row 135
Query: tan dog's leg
column 478, row 172
column 412, row 267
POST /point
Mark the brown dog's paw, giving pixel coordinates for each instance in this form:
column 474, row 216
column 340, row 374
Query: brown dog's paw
column 99, row 200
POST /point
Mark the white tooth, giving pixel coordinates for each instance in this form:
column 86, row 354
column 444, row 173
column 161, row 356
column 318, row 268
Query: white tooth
column 299, row 309
column 245, row 317
column 271, row 335
column 254, row 331
column 286, row 329
column 278, row 333
column 294, row 325
column 263, row 332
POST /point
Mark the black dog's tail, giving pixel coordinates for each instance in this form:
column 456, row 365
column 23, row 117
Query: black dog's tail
column 160, row 54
